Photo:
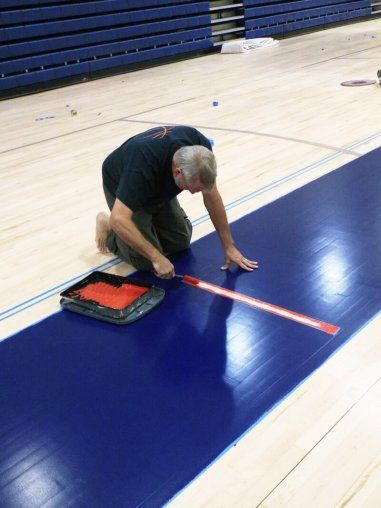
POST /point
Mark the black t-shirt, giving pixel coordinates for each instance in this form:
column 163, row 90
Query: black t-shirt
column 139, row 172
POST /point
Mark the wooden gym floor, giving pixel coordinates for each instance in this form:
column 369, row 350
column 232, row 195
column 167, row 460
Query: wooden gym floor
column 283, row 120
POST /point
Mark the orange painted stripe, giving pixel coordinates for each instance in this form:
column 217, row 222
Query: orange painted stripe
column 259, row 304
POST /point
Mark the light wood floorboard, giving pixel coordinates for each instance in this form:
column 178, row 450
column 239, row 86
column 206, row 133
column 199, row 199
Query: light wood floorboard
column 283, row 120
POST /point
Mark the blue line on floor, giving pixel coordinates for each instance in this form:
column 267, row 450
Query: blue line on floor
column 56, row 289
column 270, row 410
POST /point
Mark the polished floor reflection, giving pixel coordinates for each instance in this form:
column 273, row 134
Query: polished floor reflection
column 98, row 415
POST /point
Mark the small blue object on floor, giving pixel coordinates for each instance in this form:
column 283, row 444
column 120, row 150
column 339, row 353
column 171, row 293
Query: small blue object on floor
column 92, row 414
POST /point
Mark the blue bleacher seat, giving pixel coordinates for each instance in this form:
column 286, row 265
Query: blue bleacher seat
column 42, row 40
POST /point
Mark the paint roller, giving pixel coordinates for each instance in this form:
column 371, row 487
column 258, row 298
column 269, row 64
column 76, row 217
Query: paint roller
column 188, row 279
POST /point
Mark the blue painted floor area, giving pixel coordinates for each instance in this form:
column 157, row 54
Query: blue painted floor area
column 96, row 415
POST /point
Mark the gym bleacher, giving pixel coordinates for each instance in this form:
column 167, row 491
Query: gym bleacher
column 46, row 42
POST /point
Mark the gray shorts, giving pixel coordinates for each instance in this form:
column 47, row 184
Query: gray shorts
column 165, row 226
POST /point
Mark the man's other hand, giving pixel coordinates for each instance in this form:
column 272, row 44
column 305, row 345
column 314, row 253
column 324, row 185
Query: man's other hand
column 232, row 255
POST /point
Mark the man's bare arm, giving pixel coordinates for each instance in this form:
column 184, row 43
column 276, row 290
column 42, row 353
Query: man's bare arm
column 121, row 222
column 214, row 204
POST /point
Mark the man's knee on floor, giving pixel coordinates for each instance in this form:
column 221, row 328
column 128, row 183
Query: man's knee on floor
column 185, row 243
column 177, row 245
column 140, row 263
column 130, row 256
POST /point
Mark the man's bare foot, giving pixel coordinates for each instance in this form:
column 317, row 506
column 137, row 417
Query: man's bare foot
column 101, row 232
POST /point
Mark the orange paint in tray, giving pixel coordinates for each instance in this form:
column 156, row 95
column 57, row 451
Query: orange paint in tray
column 108, row 295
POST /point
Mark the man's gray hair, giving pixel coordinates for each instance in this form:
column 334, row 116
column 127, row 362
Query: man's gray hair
column 197, row 163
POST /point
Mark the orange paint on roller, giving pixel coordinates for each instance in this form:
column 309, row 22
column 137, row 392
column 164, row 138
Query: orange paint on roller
column 191, row 280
